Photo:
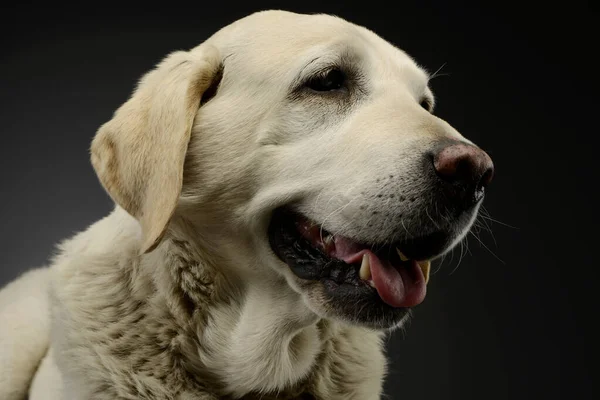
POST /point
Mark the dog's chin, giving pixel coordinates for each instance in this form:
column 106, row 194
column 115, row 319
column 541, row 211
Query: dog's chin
column 350, row 304
column 365, row 284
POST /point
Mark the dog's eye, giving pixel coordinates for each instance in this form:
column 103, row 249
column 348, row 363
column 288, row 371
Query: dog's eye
column 332, row 79
column 426, row 104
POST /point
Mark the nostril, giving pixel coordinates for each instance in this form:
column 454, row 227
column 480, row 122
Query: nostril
column 486, row 179
column 463, row 169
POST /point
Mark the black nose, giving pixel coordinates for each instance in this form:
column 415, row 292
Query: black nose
column 464, row 168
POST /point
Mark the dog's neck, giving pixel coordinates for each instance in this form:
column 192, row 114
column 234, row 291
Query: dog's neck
column 253, row 334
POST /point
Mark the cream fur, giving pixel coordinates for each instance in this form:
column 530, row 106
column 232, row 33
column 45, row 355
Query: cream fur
column 24, row 331
column 176, row 294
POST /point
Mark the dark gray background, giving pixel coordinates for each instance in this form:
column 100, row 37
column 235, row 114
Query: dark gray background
column 522, row 85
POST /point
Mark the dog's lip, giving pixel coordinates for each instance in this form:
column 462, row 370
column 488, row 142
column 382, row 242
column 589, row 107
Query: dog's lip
column 399, row 281
column 351, row 251
column 313, row 254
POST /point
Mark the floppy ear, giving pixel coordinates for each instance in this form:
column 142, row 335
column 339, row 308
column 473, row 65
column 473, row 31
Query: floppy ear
column 139, row 154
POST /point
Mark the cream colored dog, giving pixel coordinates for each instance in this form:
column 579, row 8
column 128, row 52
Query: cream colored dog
column 280, row 191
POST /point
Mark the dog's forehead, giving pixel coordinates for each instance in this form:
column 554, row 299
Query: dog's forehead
column 276, row 41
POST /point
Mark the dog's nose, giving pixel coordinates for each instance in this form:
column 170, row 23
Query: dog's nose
column 464, row 166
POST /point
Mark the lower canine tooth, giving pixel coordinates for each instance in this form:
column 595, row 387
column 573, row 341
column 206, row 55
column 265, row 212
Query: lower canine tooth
column 401, row 255
column 365, row 268
column 425, row 267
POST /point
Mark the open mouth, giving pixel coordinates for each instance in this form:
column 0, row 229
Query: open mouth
column 312, row 253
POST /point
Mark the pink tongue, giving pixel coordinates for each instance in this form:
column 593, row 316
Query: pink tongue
column 398, row 286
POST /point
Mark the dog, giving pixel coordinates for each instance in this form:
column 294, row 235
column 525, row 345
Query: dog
column 280, row 192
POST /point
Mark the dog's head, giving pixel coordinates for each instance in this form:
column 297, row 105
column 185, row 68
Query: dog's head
column 307, row 146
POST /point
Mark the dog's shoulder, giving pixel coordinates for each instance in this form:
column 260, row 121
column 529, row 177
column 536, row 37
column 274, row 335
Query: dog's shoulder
column 98, row 297
column 95, row 267
column 123, row 323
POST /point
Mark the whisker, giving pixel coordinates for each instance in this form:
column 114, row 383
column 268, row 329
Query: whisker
column 439, row 267
column 468, row 251
column 498, row 222
column 488, row 249
column 432, row 220
column 485, row 214
column 489, row 229
column 404, row 226
column 481, row 224
column 461, row 257
column 316, row 203
column 452, row 255
column 443, row 258
column 436, row 73
column 339, row 209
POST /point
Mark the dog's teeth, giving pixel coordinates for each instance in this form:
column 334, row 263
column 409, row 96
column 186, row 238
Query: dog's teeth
column 365, row 268
column 425, row 267
column 371, row 283
column 401, row 255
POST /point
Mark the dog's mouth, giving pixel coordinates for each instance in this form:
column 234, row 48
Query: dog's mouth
column 313, row 254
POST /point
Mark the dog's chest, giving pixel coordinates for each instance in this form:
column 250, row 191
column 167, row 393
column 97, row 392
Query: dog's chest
column 341, row 371
column 349, row 366
column 148, row 348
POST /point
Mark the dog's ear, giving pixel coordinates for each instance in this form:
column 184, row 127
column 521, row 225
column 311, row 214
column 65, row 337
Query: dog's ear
column 139, row 154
